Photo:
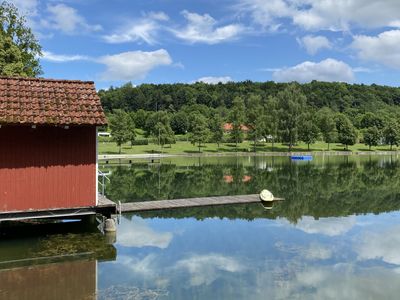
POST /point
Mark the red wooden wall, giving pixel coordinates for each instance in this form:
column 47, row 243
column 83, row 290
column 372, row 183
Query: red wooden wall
column 47, row 167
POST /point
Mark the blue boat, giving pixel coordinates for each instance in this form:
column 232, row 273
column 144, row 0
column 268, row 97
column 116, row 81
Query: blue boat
column 301, row 157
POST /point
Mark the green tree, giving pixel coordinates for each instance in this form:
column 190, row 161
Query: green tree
column 347, row 133
column 118, row 122
column 327, row 125
column 237, row 118
column 151, row 128
column 180, row 122
column 200, row 132
column 140, row 118
column 391, row 134
column 131, row 127
column 164, row 134
column 370, row 120
column 19, row 49
column 269, row 123
column 308, row 131
column 216, row 128
column 291, row 106
column 372, row 137
column 254, row 118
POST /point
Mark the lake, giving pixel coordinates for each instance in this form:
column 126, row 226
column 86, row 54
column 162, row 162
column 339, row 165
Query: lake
column 336, row 235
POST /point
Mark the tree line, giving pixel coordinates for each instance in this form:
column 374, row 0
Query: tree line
column 287, row 117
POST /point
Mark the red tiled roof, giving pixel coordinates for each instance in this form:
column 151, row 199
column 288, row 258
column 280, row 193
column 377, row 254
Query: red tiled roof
column 49, row 101
column 229, row 127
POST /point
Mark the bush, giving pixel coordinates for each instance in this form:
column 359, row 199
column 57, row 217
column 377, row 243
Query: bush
column 140, row 142
column 181, row 138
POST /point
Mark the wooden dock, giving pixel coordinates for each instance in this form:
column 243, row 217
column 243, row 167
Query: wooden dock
column 189, row 202
column 105, row 207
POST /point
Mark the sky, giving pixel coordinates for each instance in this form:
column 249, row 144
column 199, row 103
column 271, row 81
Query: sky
column 169, row 41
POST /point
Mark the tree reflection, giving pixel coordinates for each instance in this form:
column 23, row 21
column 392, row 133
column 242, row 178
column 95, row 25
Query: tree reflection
column 337, row 187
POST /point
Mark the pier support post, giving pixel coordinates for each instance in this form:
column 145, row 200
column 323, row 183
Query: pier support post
column 110, row 226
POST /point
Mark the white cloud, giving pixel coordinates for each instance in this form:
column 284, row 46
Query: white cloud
column 26, row 7
column 137, row 233
column 326, row 70
column 384, row 48
column 204, row 29
column 67, row 19
column 313, row 44
column 141, row 31
column 205, row 269
column 325, row 226
column 362, row 70
column 133, row 65
column 49, row 56
column 158, row 15
column 145, row 29
column 214, row 80
column 266, row 13
column 324, row 14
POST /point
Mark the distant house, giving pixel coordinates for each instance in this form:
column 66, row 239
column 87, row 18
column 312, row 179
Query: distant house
column 104, row 134
column 228, row 127
column 48, row 144
column 229, row 178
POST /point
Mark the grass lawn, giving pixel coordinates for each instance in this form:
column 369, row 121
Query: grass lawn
column 187, row 148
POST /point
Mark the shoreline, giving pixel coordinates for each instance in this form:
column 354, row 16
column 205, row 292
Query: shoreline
column 228, row 154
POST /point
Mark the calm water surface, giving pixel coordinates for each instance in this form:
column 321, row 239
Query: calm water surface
column 336, row 236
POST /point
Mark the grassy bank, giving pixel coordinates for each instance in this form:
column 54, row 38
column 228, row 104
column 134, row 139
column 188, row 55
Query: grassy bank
column 188, row 148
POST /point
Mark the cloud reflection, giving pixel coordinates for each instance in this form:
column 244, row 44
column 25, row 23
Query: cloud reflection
column 137, row 233
column 325, row 226
column 381, row 245
column 205, row 269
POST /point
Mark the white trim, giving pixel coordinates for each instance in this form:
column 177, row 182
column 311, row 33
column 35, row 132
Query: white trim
column 97, row 169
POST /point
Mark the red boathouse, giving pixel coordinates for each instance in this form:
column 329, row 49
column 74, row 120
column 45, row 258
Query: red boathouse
column 48, row 144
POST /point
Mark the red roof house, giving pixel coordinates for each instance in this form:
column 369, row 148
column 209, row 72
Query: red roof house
column 228, row 127
column 48, row 146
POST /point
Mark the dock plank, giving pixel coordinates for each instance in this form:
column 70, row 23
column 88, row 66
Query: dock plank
column 188, row 202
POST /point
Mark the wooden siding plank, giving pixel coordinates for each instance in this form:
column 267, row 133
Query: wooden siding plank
column 47, row 167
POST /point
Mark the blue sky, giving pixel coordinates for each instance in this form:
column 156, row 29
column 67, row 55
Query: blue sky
column 150, row 41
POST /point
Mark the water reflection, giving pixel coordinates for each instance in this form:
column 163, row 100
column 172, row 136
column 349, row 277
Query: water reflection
column 326, row 187
column 57, row 261
column 185, row 177
column 351, row 257
column 336, row 236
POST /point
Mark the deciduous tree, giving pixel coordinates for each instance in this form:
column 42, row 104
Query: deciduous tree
column 237, row 118
column 372, row 136
column 118, row 122
column 19, row 49
column 347, row 133
column 254, row 118
column 308, row 131
column 217, row 132
column 391, row 134
column 200, row 132
column 291, row 106
column 327, row 125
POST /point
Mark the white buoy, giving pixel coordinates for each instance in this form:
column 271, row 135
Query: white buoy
column 266, row 195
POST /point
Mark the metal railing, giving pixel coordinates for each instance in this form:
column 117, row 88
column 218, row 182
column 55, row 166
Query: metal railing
column 102, row 182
